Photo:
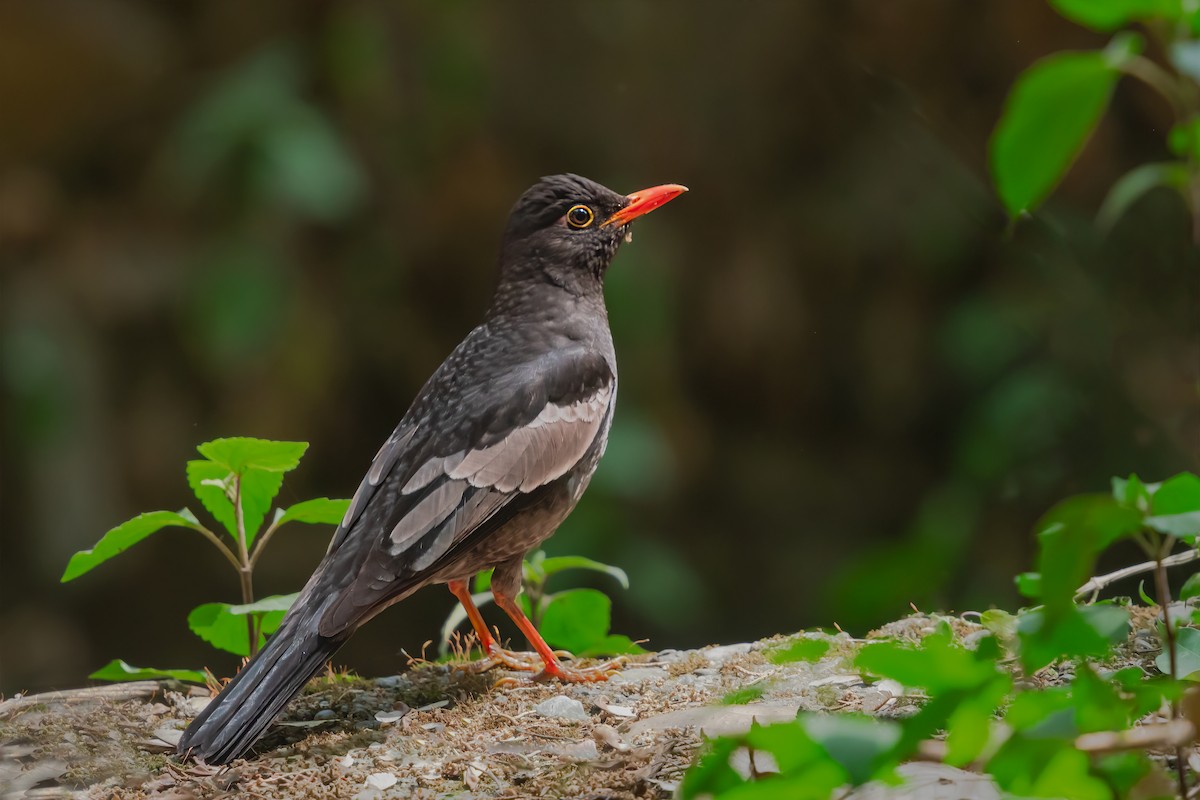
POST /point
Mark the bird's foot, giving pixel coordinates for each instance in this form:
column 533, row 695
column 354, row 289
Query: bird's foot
column 509, row 659
column 557, row 671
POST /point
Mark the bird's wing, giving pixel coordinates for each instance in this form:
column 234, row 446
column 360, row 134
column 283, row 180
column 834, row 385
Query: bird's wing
column 462, row 457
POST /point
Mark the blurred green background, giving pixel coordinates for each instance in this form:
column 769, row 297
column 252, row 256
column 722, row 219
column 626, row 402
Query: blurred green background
column 845, row 386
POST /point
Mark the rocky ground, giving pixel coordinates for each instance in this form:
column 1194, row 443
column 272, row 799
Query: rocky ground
column 442, row 731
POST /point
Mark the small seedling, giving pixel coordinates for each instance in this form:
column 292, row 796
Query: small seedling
column 236, row 482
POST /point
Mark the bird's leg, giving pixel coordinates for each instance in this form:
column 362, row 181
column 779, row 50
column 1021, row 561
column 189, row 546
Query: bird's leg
column 493, row 654
column 552, row 667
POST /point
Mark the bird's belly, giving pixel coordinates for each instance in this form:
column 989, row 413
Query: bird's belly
column 522, row 533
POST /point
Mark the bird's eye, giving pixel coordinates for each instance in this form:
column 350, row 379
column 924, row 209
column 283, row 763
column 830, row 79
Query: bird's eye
column 580, row 216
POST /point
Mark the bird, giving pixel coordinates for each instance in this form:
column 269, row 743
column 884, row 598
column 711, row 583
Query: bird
column 492, row 455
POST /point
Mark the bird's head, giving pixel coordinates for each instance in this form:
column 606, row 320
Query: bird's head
column 569, row 228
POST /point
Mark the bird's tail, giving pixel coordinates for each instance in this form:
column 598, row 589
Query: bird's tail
column 235, row 718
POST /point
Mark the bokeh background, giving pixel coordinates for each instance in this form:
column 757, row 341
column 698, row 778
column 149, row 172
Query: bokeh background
column 847, row 384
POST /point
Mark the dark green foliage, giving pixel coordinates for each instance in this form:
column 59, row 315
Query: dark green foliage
column 1057, row 103
column 1024, row 735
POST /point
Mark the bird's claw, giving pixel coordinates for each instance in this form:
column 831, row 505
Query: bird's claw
column 499, row 657
column 552, row 672
column 600, row 672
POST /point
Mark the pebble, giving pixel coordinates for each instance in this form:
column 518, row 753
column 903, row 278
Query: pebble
column 325, row 713
column 639, row 674
column 562, row 707
column 168, row 734
column 726, row 652
column 381, row 780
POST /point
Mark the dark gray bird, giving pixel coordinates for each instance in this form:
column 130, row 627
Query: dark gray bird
column 493, row 454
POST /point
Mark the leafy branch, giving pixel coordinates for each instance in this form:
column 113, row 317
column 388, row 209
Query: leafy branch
column 1056, row 104
column 236, row 481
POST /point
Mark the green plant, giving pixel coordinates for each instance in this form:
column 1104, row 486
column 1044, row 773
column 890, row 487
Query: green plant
column 236, row 481
column 577, row 620
column 1057, row 103
column 1036, row 735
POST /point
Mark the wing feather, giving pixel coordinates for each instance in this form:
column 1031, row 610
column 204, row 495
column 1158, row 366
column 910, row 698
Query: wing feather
column 465, row 454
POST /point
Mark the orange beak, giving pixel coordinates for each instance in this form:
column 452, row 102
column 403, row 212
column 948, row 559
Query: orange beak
column 644, row 202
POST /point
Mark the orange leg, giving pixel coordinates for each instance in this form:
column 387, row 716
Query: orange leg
column 494, row 654
column 546, row 660
column 552, row 667
column 459, row 589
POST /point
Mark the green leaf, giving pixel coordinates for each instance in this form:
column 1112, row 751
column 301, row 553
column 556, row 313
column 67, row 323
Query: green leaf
column 318, row 511
column 240, row 454
column 215, row 486
column 969, row 726
column 1030, row 710
column 1184, row 138
column 1130, row 187
column 1177, row 495
column 1132, row 492
column 483, row 581
column 1045, row 767
column 1050, row 112
column 118, row 670
column 1187, row 655
column 1029, row 584
column 799, row 649
column 1108, row 15
column 1124, row 771
column 1145, row 598
column 744, row 695
column 1108, row 620
column 807, row 769
column 1182, row 526
column 614, row 644
column 124, row 536
column 210, row 483
column 276, row 602
column 1098, row 707
column 1070, row 633
column 258, row 491
column 532, row 573
column 224, row 629
column 712, row 774
column 556, row 564
column 1176, row 506
column 1001, row 623
column 938, row 663
column 1071, row 535
column 791, row 745
column 1191, row 587
column 859, row 744
column 252, row 467
column 576, row 619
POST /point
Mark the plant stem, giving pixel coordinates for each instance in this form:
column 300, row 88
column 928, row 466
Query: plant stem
column 1163, row 590
column 245, row 568
column 261, row 542
column 225, row 551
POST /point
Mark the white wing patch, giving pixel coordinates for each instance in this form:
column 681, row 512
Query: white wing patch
column 433, row 468
column 427, row 514
column 528, row 457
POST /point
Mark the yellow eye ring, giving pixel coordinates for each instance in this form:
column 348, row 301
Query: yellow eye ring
column 580, row 216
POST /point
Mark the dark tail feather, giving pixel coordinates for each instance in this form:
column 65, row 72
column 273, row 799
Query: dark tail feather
column 235, row 718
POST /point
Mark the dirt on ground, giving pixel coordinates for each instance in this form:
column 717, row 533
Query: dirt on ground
column 444, row 730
